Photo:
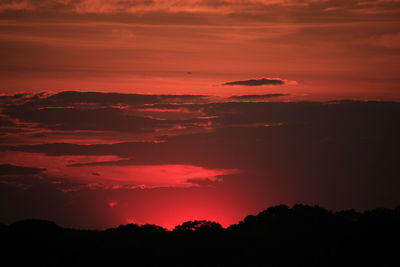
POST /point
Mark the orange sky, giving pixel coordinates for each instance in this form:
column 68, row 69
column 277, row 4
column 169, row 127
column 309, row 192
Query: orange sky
column 328, row 48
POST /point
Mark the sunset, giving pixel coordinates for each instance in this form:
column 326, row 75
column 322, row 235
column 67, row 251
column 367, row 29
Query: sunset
column 151, row 112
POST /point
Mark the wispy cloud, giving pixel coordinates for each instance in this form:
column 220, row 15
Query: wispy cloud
column 296, row 7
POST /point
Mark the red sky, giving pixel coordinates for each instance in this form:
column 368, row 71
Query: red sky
column 97, row 160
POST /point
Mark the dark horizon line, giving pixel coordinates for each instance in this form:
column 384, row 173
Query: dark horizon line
column 297, row 206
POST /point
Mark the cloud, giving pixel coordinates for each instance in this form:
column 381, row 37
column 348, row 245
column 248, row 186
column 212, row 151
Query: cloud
column 4, row 122
column 357, row 117
column 108, row 119
column 224, row 6
column 205, row 182
column 129, row 6
column 93, row 119
column 257, row 9
column 100, row 176
column 255, row 97
column 62, row 149
column 95, row 111
column 118, row 7
column 78, row 98
column 340, row 154
column 9, row 169
column 122, row 162
column 256, row 82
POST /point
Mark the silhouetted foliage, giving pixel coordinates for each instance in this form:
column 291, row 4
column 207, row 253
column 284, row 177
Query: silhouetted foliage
column 198, row 226
column 278, row 236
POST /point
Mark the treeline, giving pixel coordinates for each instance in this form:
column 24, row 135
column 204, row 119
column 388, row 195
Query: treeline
column 278, row 236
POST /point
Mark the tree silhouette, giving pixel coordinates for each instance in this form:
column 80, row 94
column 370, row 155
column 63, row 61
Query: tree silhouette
column 201, row 225
column 278, row 236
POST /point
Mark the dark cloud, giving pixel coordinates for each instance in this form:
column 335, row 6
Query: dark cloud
column 122, row 162
column 59, row 149
column 312, row 120
column 256, row 82
column 4, row 122
column 95, row 111
column 8, row 169
column 352, row 114
column 255, row 97
column 71, row 98
column 108, row 119
column 12, row 97
column 94, row 119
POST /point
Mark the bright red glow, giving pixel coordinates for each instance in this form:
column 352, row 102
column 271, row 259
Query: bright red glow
column 115, row 176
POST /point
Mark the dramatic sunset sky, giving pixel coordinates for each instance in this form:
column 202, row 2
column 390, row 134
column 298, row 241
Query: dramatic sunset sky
column 152, row 111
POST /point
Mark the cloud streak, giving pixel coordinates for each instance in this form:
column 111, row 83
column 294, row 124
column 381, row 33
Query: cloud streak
column 70, row 98
column 196, row 6
column 9, row 169
column 256, row 82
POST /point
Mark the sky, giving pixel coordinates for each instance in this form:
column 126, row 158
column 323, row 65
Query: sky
column 151, row 111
